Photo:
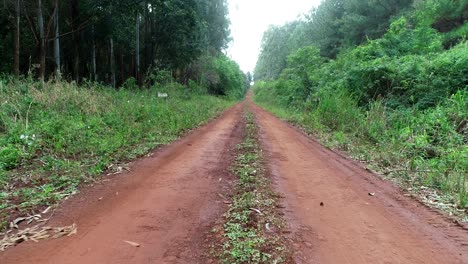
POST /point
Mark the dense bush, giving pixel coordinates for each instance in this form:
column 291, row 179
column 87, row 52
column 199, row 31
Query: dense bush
column 407, row 80
column 424, row 147
column 221, row 76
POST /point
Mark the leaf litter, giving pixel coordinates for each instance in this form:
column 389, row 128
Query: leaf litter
column 35, row 234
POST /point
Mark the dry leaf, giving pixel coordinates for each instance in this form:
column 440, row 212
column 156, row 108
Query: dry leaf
column 132, row 243
column 46, row 210
column 256, row 210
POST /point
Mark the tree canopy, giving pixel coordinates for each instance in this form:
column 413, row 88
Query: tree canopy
column 333, row 26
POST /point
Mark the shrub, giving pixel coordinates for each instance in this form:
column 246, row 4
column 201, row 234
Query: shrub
column 221, row 76
column 9, row 157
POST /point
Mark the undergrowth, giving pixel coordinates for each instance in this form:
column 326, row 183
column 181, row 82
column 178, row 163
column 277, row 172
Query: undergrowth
column 251, row 231
column 423, row 151
column 55, row 136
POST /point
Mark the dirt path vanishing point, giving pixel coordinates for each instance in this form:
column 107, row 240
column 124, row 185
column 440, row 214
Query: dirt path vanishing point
column 166, row 205
column 170, row 201
column 351, row 226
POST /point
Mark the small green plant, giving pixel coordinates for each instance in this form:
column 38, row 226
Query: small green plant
column 9, row 157
column 253, row 206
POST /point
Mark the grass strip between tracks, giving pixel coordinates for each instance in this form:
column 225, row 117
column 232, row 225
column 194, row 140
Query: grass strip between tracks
column 253, row 223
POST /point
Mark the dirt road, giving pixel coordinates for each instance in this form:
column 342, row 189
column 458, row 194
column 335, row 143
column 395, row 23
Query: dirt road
column 170, row 201
column 166, row 204
column 351, row 226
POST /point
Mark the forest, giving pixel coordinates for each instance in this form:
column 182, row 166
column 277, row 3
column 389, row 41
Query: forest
column 385, row 81
column 112, row 41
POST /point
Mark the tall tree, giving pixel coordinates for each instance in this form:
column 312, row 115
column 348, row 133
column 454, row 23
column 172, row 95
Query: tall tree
column 17, row 38
column 218, row 25
column 170, row 34
column 274, row 51
column 326, row 26
column 137, row 48
column 93, row 53
column 42, row 48
column 57, row 40
column 112, row 62
column 75, row 24
column 369, row 19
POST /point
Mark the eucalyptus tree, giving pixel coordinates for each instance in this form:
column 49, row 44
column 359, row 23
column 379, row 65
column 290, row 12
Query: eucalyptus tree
column 10, row 18
column 106, row 38
column 275, row 49
column 333, row 26
column 17, row 37
column 326, row 24
column 57, row 39
column 369, row 19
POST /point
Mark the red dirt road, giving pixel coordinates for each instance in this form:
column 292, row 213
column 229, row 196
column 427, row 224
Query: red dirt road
column 166, row 204
column 351, row 226
column 172, row 199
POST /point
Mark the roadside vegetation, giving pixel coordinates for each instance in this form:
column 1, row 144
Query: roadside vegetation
column 396, row 98
column 57, row 135
column 79, row 85
column 252, row 231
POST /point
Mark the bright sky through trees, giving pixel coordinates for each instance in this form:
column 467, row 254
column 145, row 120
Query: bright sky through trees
column 250, row 18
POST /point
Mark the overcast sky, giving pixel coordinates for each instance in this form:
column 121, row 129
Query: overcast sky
column 250, row 18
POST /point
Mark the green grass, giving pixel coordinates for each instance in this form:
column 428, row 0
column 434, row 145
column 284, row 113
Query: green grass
column 246, row 239
column 55, row 136
column 423, row 151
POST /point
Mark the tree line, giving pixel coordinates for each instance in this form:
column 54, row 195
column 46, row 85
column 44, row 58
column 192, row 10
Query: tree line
column 110, row 40
column 333, row 26
column 407, row 52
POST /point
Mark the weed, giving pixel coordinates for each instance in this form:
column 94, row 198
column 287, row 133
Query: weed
column 414, row 148
column 57, row 136
column 253, row 207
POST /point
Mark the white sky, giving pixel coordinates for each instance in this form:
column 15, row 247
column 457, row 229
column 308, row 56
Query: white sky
column 250, row 18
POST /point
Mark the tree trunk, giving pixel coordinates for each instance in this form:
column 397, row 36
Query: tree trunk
column 112, row 62
column 93, row 54
column 75, row 13
column 122, row 68
column 137, row 49
column 17, row 39
column 151, row 43
column 42, row 50
column 57, row 41
column 144, row 62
